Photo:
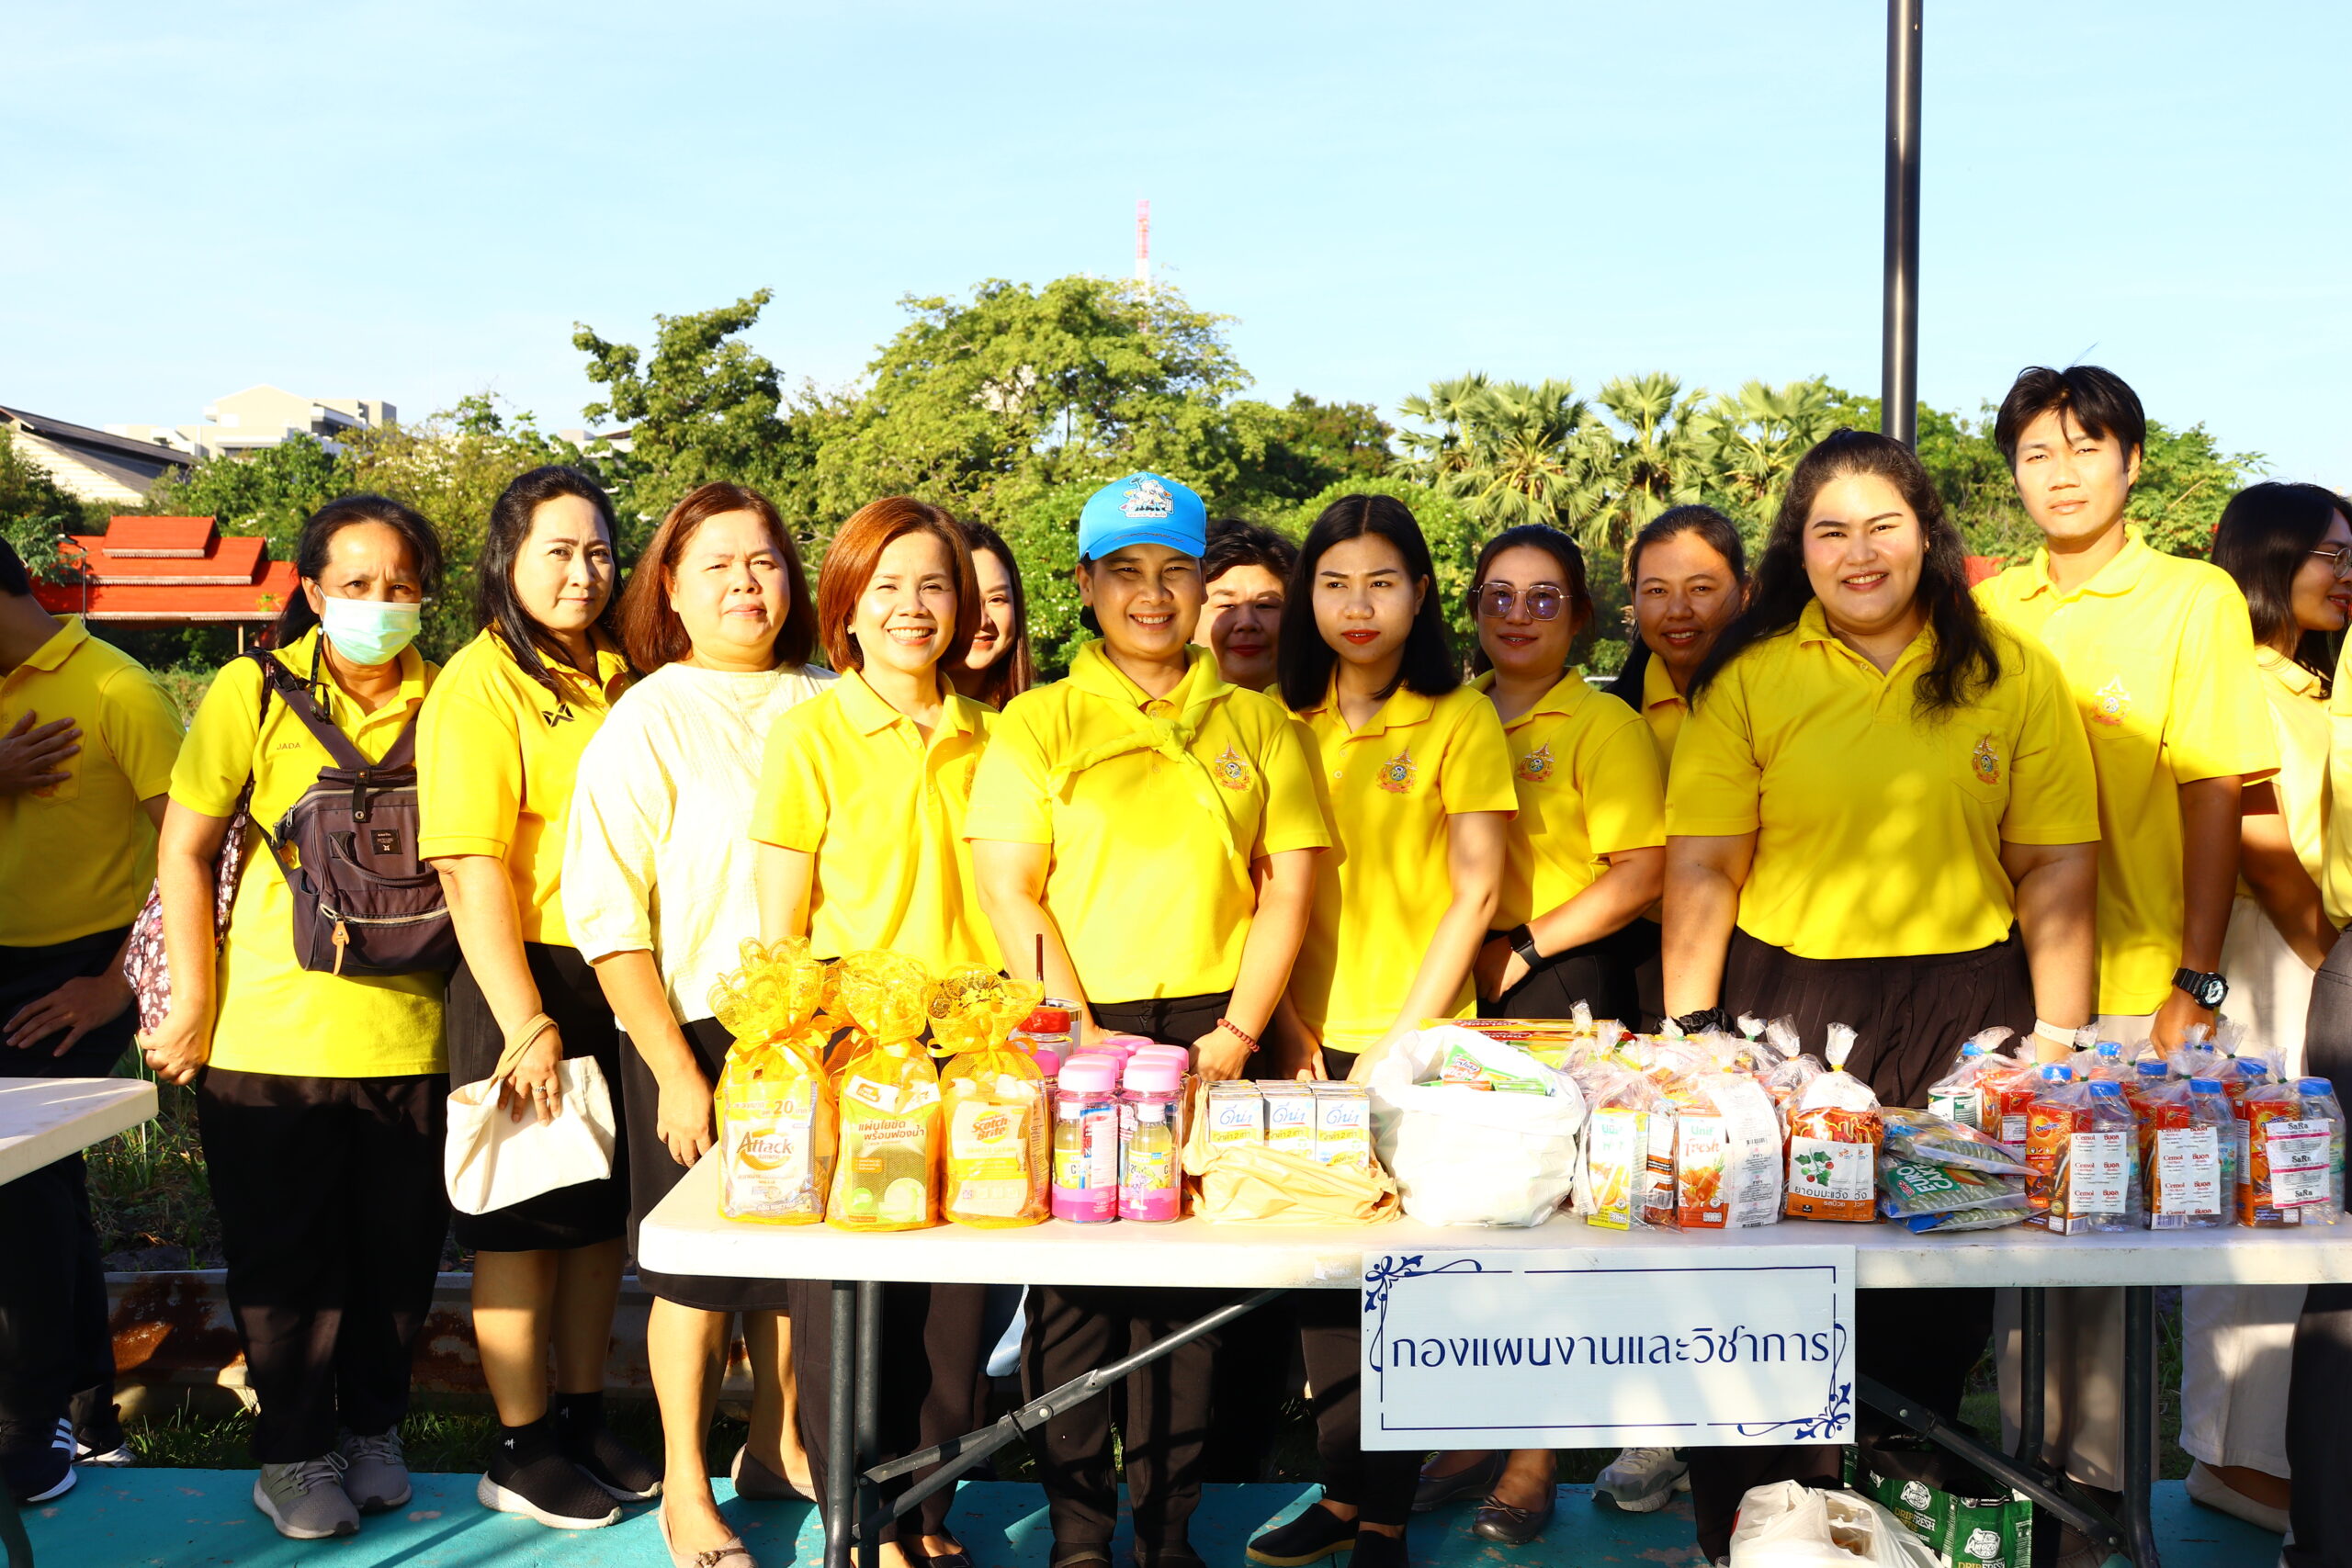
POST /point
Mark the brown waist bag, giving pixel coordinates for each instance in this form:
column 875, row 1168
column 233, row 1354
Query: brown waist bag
column 363, row 903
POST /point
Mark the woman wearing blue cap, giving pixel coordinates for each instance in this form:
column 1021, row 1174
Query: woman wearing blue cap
column 1143, row 787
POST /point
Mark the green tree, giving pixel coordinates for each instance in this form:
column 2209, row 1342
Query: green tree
column 35, row 510
column 269, row 493
column 1749, row 442
column 1512, row 453
column 1656, row 462
column 1301, row 450
column 1451, row 526
column 702, row 407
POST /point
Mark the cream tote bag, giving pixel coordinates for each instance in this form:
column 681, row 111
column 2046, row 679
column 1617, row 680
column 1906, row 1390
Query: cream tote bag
column 491, row 1160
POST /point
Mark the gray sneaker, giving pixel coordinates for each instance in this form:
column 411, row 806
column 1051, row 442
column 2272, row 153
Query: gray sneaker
column 375, row 1471
column 305, row 1499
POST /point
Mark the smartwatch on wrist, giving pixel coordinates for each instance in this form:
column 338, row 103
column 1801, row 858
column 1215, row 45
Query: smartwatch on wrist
column 2206, row 990
column 1703, row 1020
column 1523, row 941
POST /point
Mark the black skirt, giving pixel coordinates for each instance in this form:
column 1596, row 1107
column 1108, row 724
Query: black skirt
column 587, row 1213
column 653, row 1170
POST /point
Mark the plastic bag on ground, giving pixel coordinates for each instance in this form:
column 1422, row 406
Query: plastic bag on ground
column 1789, row 1525
column 1469, row 1156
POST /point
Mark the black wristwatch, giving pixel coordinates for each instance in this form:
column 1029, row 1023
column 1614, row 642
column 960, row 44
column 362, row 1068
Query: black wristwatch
column 2207, row 990
column 1705, row 1018
column 1523, row 941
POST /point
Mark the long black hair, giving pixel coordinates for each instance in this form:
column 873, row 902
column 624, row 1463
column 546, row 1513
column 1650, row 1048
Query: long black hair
column 497, row 607
column 1965, row 663
column 1720, row 534
column 319, row 532
column 1306, row 661
column 1561, row 549
column 2267, row 533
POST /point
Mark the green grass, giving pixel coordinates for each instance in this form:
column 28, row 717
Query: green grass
column 148, row 1186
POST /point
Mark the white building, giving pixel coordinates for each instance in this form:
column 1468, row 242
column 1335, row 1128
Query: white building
column 95, row 465
column 243, row 422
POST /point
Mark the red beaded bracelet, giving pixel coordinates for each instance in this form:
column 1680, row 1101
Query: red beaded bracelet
column 1239, row 1033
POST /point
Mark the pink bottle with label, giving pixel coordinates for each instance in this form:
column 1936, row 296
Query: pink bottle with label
column 1086, row 1140
column 1150, row 1180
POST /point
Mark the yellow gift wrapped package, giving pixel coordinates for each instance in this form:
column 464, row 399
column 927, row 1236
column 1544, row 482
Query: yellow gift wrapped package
column 775, row 1105
column 998, row 1132
column 886, row 1177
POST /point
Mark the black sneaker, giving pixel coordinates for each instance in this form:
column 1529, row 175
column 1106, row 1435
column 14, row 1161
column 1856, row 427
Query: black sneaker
column 550, row 1489
column 38, row 1475
column 1310, row 1538
column 1374, row 1550
column 611, row 1463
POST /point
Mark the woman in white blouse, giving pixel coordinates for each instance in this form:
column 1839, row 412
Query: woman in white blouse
column 658, row 890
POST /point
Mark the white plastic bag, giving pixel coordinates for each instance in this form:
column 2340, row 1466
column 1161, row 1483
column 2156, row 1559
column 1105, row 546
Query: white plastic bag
column 1467, row 1156
column 1789, row 1525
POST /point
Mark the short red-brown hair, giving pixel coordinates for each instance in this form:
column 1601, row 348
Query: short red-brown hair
column 857, row 549
column 651, row 633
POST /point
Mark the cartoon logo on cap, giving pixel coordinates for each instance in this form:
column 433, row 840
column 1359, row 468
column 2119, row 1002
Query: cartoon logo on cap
column 1233, row 769
column 2111, row 702
column 1148, row 498
column 1536, row 766
column 1987, row 759
column 1396, row 773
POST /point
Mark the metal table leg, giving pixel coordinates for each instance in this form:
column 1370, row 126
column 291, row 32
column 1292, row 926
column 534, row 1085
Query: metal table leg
column 2033, row 1325
column 869, row 1415
column 2139, row 1421
column 841, row 1431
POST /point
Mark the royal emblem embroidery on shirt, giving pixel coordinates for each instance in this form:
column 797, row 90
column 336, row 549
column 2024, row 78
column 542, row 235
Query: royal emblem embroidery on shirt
column 1396, row 773
column 1987, row 759
column 1536, row 766
column 1233, row 769
column 2111, row 702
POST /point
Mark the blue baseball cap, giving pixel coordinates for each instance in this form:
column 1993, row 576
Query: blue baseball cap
column 1142, row 509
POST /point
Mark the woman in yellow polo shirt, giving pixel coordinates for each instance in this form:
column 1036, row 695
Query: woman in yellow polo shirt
column 2288, row 549
column 860, row 827
column 1687, row 573
column 1154, row 830
column 1418, row 774
column 1878, row 791
column 321, row 1096
column 496, row 750
column 658, row 896
column 996, row 667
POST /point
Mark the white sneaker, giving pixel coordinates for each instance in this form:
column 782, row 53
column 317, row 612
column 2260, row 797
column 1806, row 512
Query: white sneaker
column 1641, row 1481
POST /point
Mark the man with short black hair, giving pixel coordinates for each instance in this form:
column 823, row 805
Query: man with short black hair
column 2158, row 650
column 78, row 812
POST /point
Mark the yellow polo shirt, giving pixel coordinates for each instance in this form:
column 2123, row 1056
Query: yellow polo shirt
column 850, row 779
column 1155, row 808
column 1878, row 833
column 496, row 753
column 274, row 1016
column 1663, row 710
column 1378, row 899
column 78, row 857
column 1587, row 776
column 2158, row 652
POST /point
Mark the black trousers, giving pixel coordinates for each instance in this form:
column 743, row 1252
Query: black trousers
column 1165, row 1409
column 2319, row 1439
column 1910, row 1015
column 54, row 1341
column 934, row 1379
column 1379, row 1485
column 333, row 1213
column 1603, row 975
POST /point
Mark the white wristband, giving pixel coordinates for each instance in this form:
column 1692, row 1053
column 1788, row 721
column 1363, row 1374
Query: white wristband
column 2055, row 1034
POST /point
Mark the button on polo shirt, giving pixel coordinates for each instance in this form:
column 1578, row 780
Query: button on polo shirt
column 496, row 756
column 849, row 780
column 2158, row 653
column 1879, row 831
column 1155, row 808
column 1381, row 892
column 78, row 857
column 1584, row 771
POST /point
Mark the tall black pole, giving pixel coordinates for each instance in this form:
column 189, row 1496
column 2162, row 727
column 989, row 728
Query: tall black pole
column 1898, row 379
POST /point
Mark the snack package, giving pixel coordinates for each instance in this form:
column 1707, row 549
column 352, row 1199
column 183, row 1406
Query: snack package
column 887, row 1176
column 1834, row 1139
column 1908, row 1188
column 1461, row 1156
column 1931, row 1139
column 2082, row 1147
column 1727, row 1155
column 1966, row 1220
column 1786, row 1082
column 2184, row 1140
column 998, row 1126
column 1959, row 1096
column 773, row 1104
column 2009, row 1088
column 1615, row 1187
column 2293, row 1164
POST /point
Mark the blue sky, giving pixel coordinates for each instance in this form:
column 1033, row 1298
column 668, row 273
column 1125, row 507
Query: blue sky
column 415, row 202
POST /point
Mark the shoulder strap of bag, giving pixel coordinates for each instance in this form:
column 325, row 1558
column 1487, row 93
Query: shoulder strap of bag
column 304, row 705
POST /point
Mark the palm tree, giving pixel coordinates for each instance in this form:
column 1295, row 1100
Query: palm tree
column 1749, row 442
column 1511, row 453
column 1657, row 462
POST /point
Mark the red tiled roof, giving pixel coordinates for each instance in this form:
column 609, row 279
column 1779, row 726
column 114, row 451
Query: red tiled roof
column 166, row 537
column 151, row 602
column 233, row 558
column 1983, row 567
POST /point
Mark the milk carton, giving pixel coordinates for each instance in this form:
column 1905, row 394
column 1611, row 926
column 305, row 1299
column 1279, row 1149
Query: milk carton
column 1237, row 1115
column 1343, row 1125
column 1290, row 1117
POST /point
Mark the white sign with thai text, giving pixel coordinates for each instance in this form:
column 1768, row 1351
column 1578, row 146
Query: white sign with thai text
column 1589, row 1348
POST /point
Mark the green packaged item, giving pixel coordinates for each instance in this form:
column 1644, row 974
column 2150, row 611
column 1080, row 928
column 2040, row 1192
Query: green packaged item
column 1964, row 1517
column 1964, row 1220
column 1459, row 1066
column 1908, row 1188
column 1931, row 1139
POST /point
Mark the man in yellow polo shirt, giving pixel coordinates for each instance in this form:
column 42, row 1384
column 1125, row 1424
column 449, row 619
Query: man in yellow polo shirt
column 2158, row 651
column 77, row 855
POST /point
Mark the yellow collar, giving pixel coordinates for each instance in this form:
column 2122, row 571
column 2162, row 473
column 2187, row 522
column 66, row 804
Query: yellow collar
column 2118, row 577
column 1091, row 671
column 299, row 655
column 59, row 646
column 1657, row 686
column 1404, row 707
column 871, row 716
column 1569, row 693
column 1812, row 626
column 2289, row 675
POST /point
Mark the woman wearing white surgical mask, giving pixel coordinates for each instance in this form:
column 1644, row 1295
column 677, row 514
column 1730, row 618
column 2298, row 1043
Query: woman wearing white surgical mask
column 321, row 1096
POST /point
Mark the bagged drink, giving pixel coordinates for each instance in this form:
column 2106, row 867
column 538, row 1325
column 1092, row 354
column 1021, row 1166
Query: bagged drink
column 1959, row 1095
column 1834, row 1139
column 2082, row 1145
column 2292, row 1145
column 2184, row 1136
column 2010, row 1088
column 1727, row 1155
column 774, row 1103
column 1615, row 1190
column 887, row 1176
